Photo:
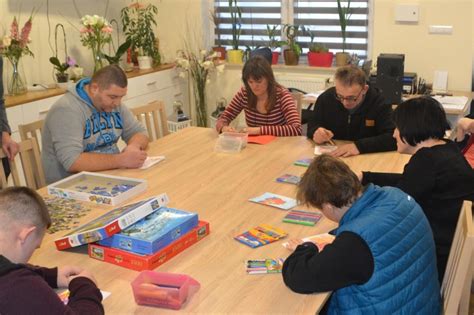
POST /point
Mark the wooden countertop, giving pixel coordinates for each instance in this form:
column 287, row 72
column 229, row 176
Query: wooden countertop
column 32, row 96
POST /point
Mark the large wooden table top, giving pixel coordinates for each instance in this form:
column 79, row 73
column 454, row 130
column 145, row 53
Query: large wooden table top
column 217, row 186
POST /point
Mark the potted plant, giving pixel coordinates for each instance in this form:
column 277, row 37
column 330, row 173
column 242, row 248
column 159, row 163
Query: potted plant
column 61, row 75
column 115, row 59
column 215, row 18
column 138, row 21
column 342, row 58
column 318, row 55
column 273, row 43
column 235, row 55
column 293, row 52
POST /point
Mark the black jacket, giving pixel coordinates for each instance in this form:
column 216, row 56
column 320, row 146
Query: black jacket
column 370, row 126
column 439, row 178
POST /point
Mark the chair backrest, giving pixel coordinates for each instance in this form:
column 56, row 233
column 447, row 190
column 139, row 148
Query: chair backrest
column 298, row 98
column 455, row 289
column 32, row 130
column 30, row 159
column 153, row 117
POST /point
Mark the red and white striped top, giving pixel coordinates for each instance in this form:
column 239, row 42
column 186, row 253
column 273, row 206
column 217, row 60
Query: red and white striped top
column 282, row 121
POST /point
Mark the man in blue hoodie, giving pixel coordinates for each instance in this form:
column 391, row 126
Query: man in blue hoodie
column 82, row 128
column 382, row 260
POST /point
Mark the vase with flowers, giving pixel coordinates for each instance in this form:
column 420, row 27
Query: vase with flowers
column 199, row 66
column 138, row 21
column 96, row 32
column 13, row 47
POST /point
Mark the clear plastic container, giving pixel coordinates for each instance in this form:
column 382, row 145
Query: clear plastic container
column 231, row 142
column 163, row 289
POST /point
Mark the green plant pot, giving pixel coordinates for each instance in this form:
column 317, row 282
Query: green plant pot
column 235, row 56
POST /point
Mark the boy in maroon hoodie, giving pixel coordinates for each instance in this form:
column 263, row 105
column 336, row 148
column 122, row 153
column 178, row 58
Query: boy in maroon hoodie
column 26, row 289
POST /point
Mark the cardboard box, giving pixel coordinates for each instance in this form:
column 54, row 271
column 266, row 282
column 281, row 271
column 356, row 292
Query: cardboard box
column 148, row 262
column 98, row 188
column 111, row 223
column 153, row 232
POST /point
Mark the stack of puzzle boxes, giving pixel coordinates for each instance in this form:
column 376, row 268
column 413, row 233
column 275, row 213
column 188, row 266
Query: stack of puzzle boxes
column 138, row 236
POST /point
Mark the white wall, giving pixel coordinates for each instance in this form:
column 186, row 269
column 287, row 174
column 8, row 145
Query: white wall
column 424, row 52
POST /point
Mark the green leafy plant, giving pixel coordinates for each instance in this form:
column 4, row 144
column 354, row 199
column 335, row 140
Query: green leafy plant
column 314, row 47
column 344, row 16
column 62, row 67
column 118, row 54
column 236, row 21
column 138, row 21
column 291, row 32
column 272, row 33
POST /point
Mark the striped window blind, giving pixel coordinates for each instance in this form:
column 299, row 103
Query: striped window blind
column 319, row 16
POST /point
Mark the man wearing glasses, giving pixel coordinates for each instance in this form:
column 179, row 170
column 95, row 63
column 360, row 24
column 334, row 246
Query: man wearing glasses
column 351, row 110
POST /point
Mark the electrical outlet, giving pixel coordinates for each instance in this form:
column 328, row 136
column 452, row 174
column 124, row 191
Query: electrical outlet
column 441, row 29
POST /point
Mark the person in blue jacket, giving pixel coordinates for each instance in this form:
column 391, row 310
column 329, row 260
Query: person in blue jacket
column 382, row 260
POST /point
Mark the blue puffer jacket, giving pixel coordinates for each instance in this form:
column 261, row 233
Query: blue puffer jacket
column 398, row 234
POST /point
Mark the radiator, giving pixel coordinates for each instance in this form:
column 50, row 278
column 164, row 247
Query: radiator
column 309, row 84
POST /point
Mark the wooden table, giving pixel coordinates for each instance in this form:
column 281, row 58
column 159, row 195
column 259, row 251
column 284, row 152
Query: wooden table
column 218, row 186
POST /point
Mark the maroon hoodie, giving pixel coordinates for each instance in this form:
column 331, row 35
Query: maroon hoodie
column 26, row 289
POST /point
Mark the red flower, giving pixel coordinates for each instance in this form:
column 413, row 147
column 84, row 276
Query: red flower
column 14, row 29
column 25, row 33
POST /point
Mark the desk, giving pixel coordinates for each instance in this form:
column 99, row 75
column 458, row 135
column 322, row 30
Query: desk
column 217, row 186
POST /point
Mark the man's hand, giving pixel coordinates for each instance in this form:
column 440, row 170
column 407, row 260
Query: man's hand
column 132, row 157
column 322, row 135
column 86, row 274
column 345, row 150
column 9, row 146
column 65, row 273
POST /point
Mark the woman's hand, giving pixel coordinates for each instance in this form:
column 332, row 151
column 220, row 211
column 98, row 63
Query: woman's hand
column 227, row 129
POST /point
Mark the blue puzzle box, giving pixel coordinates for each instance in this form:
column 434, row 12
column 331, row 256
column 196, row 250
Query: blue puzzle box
column 153, row 232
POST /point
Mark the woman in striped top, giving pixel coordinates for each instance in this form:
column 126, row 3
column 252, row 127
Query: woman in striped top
column 269, row 108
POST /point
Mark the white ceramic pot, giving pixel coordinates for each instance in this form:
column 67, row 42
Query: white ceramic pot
column 144, row 62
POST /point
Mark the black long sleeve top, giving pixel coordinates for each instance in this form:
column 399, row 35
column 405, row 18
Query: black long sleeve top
column 370, row 126
column 346, row 261
column 439, row 178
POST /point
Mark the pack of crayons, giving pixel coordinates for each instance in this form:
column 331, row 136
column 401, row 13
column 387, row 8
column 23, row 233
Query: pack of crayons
column 290, row 179
column 302, row 217
column 260, row 235
column 303, row 162
column 261, row 266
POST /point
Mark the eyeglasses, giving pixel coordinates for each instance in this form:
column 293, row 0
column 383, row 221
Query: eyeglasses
column 349, row 99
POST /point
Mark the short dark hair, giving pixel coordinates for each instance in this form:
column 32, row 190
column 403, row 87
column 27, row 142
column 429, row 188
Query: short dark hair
column 110, row 75
column 328, row 180
column 258, row 67
column 350, row 75
column 25, row 206
column 419, row 119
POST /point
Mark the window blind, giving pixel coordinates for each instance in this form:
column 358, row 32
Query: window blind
column 322, row 18
column 319, row 16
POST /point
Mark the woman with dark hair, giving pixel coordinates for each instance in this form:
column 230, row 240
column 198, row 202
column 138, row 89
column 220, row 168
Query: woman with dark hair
column 269, row 108
column 437, row 175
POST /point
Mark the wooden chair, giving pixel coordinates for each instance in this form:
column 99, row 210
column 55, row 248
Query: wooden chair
column 29, row 156
column 153, row 112
column 32, row 130
column 298, row 98
column 455, row 289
